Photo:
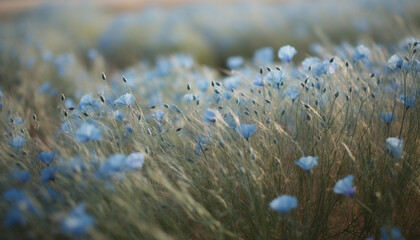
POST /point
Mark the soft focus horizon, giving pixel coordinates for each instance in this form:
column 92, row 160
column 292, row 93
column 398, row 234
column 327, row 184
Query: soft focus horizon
column 127, row 31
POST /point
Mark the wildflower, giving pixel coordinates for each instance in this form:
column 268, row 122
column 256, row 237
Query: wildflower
column 17, row 121
column 284, row 203
column 408, row 101
column 17, row 142
column 88, row 132
column 119, row 115
column 259, row 80
column 263, row 56
column 246, row 130
column 113, row 165
column 324, row 67
column 92, row 55
column 361, row 53
column 47, row 89
column 286, row 53
column 124, row 100
column 14, row 217
column 345, row 186
column 201, row 144
column 158, row 116
column 395, row 62
column 134, row 161
column 22, row 176
column 69, row 103
column 19, row 199
column 293, row 93
column 234, row 62
column 232, row 82
column 310, row 62
column 202, row 84
column 46, row 157
column 210, row 115
column 48, row 174
column 395, row 234
column 395, row 146
column 307, row 163
column 163, row 67
column 276, row 76
column 129, row 129
column 88, row 103
column 190, row 97
column 184, row 60
column 77, row 222
column 387, row 117
column 231, row 120
column 407, row 43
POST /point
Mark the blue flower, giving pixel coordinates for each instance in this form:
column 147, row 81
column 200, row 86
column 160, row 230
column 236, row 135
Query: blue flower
column 125, row 100
column 324, row 67
column 48, row 174
column 77, row 222
column 190, row 97
column 395, row 62
column 155, row 99
column 259, row 80
column 293, row 93
column 184, row 60
column 47, row 89
column 286, row 53
column 408, row 101
column 234, row 62
column 284, row 203
column 129, row 129
column 263, row 56
column 361, row 53
column 18, row 121
column 345, row 186
column 22, row 176
column 158, row 116
column 392, row 87
column 92, row 54
column 201, row 145
column 20, row 199
column 163, row 67
column 63, row 63
column 395, row 146
column 113, row 164
column 17, row 142
column 68, row 103
column 387, row 117
column 395, row 234
column 119, row 115
column 88, row 103
column 46, row 157
column 210, row 115
column 276, row 76
column 134, row 161
column 246, row 130
column 202, row 84
column 231, row 120
column 307, row 163
column 14, row 217
column 88, row 132
column 310, row 62
column 232, row 82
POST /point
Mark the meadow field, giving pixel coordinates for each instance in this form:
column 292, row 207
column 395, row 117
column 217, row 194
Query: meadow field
column 275, row 121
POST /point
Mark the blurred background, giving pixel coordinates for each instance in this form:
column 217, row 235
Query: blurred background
column 123, row 32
